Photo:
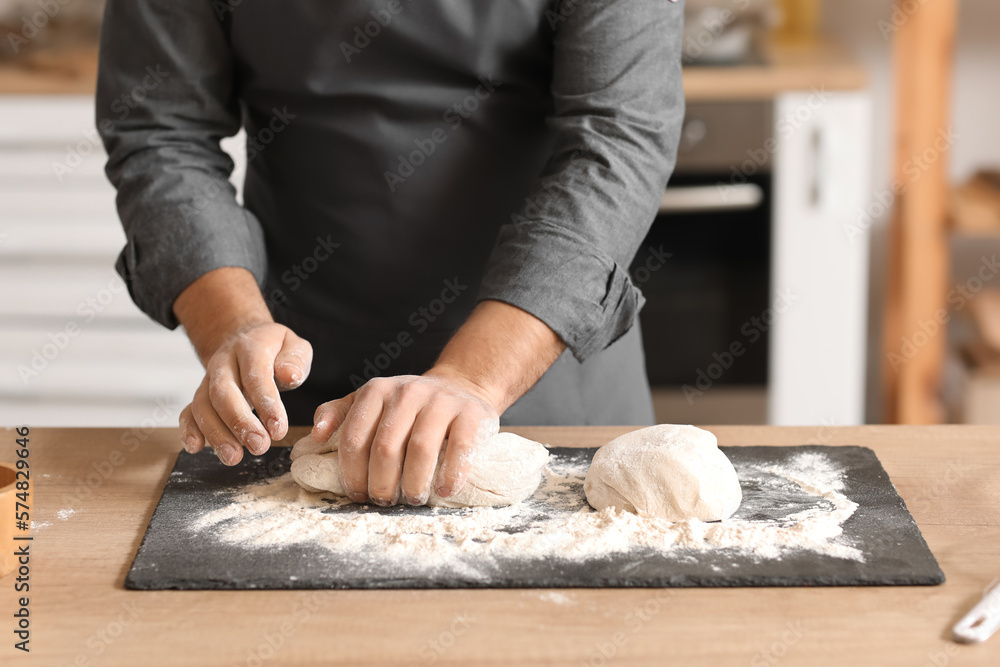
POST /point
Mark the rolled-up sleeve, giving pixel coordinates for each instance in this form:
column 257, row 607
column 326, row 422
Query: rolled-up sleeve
column 165, row 97
column 617, row 114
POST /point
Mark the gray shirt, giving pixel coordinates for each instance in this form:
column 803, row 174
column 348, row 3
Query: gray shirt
column 406, row 158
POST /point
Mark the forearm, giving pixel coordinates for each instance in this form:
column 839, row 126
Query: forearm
column 218, row 305
column 501, row 349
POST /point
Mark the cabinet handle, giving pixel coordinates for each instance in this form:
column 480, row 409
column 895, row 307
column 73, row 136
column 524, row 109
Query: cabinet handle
column 710, row 198
column 818, row 168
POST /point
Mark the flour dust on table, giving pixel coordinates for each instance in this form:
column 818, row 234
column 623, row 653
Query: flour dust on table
column 797, row 505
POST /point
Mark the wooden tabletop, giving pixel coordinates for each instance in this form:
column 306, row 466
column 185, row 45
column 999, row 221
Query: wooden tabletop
column 85, row 539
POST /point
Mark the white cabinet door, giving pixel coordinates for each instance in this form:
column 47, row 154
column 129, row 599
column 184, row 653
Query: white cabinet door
column 820, row 258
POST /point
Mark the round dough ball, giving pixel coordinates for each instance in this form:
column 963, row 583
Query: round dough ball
column 506, row 470
column 669, row 471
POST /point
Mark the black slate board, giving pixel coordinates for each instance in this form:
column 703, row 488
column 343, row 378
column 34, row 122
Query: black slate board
column 173, row 556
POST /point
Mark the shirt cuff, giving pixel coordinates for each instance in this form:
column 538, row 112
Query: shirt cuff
column 580, row 292
column 169, row 251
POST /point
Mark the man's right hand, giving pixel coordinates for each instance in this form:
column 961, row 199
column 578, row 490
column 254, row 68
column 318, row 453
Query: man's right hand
column 248, row 359
column 246, row 373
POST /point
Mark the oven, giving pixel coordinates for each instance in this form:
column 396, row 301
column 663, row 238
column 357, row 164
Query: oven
column 705, row 270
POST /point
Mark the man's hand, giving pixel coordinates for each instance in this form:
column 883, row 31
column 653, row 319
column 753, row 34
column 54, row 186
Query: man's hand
column 248, row 359
column 245, row 374
column 393, row 429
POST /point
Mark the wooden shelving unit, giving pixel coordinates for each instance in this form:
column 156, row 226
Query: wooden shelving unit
column 918, row 261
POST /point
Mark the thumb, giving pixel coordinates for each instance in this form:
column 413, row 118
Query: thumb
column 293, row 361
column 330, row 416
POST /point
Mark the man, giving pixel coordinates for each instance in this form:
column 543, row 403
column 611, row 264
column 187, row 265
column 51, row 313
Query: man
column 445, row 193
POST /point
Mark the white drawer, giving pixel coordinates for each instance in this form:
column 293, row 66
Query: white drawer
column 68, row 290
column 31, row 202
column 141, row 414
column 92, row 379
column 63, row 166
column 45, row 119
column 94, row 239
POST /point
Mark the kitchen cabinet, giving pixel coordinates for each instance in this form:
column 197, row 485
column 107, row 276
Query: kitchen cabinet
column 819, row 255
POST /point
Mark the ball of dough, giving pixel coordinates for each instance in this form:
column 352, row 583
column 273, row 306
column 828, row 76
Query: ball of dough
column 506, row 470
column 669, row 471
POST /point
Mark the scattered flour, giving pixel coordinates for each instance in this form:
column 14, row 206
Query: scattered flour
column 555, row 523
column 65, row 514
column 556, row 597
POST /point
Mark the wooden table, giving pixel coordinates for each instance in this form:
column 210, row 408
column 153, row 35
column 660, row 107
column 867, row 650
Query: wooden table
column 85, row 541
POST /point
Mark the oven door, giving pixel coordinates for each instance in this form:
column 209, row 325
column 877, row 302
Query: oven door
column 711, row 291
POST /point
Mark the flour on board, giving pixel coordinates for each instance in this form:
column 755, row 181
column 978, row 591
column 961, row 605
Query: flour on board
column 280, row 513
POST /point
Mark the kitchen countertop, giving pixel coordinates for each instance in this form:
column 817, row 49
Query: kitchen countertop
column 819, row 65
column 84, row 542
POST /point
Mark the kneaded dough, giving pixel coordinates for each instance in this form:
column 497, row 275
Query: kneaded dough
column 670, row 471
column 506, row 469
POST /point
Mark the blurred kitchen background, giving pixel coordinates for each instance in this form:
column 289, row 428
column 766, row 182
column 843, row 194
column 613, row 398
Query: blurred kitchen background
column 823, row 254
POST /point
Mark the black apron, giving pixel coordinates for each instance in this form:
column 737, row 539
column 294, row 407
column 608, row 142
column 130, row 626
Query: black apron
column 610, row 388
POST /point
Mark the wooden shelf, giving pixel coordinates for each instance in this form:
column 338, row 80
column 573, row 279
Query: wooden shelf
column 787, row 67
column 71, row 71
